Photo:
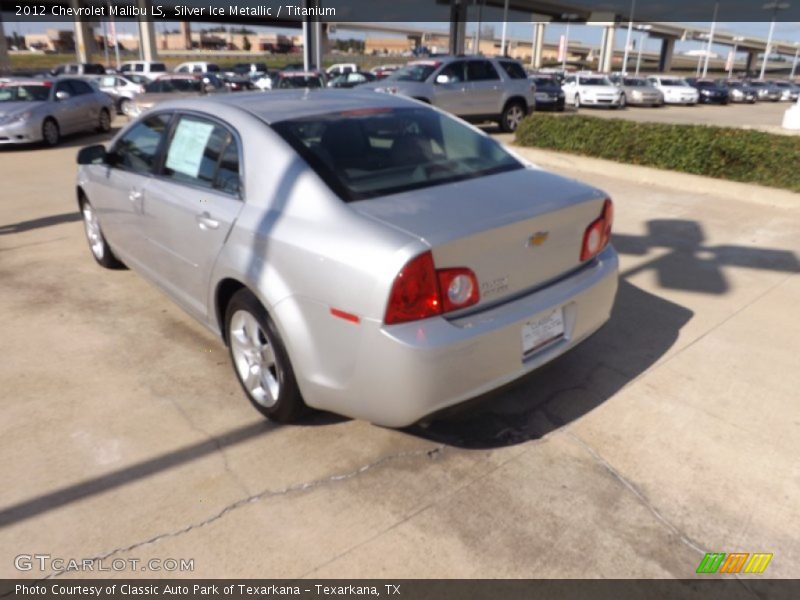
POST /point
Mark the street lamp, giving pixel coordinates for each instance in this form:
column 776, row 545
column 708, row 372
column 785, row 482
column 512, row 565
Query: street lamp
column 643, row 29
column 628, row 39
column 569, row 17
column 796, row 53
column 736, row 41
column 774, row 6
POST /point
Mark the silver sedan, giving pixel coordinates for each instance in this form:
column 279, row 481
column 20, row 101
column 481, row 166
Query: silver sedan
column 44, row 110
column 357, row 252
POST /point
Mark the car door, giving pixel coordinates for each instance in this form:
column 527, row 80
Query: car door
column 87, row 105
column 190, row 207
column 67, row 109
column 120, row 189
column 484, row 89
column 450, row 93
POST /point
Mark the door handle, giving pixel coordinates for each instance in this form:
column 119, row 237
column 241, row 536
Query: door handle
column 134, row 195
column 205, row 221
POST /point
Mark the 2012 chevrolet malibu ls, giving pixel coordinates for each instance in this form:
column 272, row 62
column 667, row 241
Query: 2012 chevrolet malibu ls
column 358, row 252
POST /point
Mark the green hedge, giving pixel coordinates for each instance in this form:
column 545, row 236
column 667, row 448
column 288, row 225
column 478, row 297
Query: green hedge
column 722, row 152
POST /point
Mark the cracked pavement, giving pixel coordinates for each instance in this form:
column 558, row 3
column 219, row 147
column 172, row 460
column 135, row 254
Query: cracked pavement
column 672, row 432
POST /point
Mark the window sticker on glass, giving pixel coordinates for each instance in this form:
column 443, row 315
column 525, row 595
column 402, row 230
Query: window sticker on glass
column 187, row 146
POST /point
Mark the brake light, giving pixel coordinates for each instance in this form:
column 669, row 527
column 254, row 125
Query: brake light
column 420, row 291
column 598, row 233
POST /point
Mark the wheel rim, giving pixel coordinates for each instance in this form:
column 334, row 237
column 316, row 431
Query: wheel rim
column 254, row 359
column 50, row 132
column 514, row 117
column 105, row 121
column 93, row 233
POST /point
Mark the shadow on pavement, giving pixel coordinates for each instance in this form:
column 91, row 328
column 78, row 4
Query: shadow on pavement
column 642, row 328
column 22, row 226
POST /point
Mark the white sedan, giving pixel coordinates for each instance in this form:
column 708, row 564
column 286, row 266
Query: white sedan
column 592, row 90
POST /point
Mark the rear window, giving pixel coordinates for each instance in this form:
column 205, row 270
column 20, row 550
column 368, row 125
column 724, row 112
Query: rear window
column 366, row 153
column 158, row 68
column 513, row 69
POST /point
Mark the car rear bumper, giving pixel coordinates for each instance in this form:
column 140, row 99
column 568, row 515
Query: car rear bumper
column 403, row 373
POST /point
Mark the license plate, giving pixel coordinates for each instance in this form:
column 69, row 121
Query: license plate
column 537, row 334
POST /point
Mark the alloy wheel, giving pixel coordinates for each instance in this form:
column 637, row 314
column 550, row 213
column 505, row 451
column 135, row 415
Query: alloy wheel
column 254, row 358
column 93, row 233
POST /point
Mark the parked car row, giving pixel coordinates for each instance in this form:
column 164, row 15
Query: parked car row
column 619, row 90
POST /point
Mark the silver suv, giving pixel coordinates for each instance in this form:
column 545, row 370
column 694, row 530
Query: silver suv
column 472, row 87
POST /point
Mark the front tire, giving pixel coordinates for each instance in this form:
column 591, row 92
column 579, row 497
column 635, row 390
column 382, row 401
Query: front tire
column 260, row 360
column 101, row 251
column 51, row 134
column 576, row 101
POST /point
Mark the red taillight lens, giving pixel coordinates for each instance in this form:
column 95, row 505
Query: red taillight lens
column 459, row 288
column 598, row 233
column 420, row 291
column 415, row 293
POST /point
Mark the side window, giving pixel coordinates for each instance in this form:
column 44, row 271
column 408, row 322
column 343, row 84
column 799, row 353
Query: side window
column 125, row 68
column 158, row 67
column 454, row 72
column 139, row 67
column 137, row 150
column 64, row 86
column 183, row 69
column 203, row 153
column 513, row 69
column 481, row 70
column 569, row 81
column 81, row 87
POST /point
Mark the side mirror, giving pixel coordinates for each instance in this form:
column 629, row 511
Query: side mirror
column 62, row 95
column 92, row 155
column 442, row 79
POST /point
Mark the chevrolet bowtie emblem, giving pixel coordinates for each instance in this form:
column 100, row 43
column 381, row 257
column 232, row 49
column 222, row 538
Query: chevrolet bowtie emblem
column 537, row 239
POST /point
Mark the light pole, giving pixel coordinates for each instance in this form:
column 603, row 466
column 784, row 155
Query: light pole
column 503, row 35
column 710, row 39
column 569, row 17
column 736, row 41
column 796, row 53
column 774, row 6
column 628, row 39
column 643, row 29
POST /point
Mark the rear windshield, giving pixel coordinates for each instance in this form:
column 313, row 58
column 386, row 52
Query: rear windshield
column 544, row 81
column 513, row 70
column 158, row 67
column 300, row 81
column 167, row 86
column 374, row 152
column 631, row 82
column 674, row 82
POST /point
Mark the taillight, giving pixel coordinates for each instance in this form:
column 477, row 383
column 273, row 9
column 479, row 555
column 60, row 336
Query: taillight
column 459, row 288
column 598, row 233
column 420, row 291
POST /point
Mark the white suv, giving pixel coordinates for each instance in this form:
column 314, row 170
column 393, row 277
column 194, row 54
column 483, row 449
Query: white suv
column 197, row 67
column 151, row 70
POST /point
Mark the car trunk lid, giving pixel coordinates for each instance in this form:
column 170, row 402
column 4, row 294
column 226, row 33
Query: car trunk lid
column 516, row 230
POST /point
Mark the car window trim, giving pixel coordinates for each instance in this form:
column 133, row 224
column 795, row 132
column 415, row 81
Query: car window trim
column 176, row 115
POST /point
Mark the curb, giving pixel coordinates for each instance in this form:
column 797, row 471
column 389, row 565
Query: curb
column 685, row 182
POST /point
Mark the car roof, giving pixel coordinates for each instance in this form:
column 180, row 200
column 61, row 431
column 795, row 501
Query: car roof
column 281, row 105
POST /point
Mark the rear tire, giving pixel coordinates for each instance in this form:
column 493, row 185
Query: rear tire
column 122, row 107
column 260, row 361
column 104, row 121
column 512, row 116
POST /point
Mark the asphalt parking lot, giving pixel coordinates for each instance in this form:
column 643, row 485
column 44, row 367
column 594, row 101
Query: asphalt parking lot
column 764, row 116
column 674, row 431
